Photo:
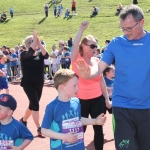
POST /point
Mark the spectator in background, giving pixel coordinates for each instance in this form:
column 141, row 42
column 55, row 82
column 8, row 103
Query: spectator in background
column 65, row 43
column 11, row 11
column 55, row 10
column 67, row 57
column 106, row 44
column 53, row 55
column 7, row 54
column 73, row 7
column 109, row 74
column 54, row 1
column 119, row 8
column 17, row 52
column 47, row 64
column 95, row 11
column 61, row 9
column 3, row 16
column 58, row 12
column 67, row 13
column 61, row 52
column 3, row 74
column 42, row 41
column 13, row 64
column 135, row 2
column 97, row 53
column 70, row 43
column 46, row 9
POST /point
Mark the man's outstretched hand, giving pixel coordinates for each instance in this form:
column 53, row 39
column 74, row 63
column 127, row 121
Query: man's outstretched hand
column 83, row 70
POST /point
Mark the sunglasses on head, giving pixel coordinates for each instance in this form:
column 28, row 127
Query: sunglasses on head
column 92, row 46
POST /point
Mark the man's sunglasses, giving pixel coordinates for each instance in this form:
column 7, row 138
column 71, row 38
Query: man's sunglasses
column 92, row 46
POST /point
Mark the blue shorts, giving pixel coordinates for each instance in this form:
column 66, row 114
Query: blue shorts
column 3, row 86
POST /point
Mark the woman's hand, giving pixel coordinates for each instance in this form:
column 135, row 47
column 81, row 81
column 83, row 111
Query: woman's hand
column 34, row 44
column 84, row 25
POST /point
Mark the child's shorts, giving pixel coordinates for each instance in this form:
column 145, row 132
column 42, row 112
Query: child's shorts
column 3, row 86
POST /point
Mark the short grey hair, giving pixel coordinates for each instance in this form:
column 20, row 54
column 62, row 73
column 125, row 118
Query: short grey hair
column 133, row 10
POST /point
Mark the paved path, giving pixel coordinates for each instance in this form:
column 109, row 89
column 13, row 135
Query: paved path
column 49, row 93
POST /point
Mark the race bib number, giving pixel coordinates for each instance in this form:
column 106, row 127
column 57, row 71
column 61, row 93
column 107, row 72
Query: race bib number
column 75, row 126
column 6, row 144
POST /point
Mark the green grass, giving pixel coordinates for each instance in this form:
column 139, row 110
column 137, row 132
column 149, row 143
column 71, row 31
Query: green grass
column 29, row 16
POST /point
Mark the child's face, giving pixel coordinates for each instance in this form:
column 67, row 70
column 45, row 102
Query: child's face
column 111, row 73
column 3, row 112
column 71, row 87
column 2, row 60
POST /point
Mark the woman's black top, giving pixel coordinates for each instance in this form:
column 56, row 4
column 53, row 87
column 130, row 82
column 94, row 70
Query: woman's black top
column 32, row 68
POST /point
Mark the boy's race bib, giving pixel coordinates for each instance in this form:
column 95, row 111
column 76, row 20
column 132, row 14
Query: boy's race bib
column 6, row 144
column 75, row 126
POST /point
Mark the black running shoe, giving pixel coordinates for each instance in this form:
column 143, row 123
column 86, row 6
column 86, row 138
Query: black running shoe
column 24, row 122
column 39, row 133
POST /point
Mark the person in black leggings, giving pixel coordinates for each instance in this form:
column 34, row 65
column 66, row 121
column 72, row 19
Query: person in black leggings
column 90, row 91
column 32, row 63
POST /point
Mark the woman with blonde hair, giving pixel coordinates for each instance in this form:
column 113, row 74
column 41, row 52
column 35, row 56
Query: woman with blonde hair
column 90, row 91
column 32, row 63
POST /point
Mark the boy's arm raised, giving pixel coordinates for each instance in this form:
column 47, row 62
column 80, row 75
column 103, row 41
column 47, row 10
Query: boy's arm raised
column 100, row 120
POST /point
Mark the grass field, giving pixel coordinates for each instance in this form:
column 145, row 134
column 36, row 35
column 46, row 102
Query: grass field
column 29, row 16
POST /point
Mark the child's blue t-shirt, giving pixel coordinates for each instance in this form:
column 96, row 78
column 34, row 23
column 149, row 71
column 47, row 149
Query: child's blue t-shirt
column 109, row 86
column 13, row 62
column 132, row 71
column 3, row 80
column 64, row 117
column 14, row 131
column 67, row 54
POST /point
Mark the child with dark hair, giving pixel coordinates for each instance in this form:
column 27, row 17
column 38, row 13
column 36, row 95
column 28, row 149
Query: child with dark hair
column 13, row 134
column 98, row 54
column 55, row 10
column 106, row 44
column 109, row 79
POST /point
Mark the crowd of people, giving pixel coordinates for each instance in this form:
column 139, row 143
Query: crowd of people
column 117, row 83
column 58, row 9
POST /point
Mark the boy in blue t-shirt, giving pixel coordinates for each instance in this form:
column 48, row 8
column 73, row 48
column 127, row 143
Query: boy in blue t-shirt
column 62, row 121
column 67, row 57
column 3, row 74
column 13, row 134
